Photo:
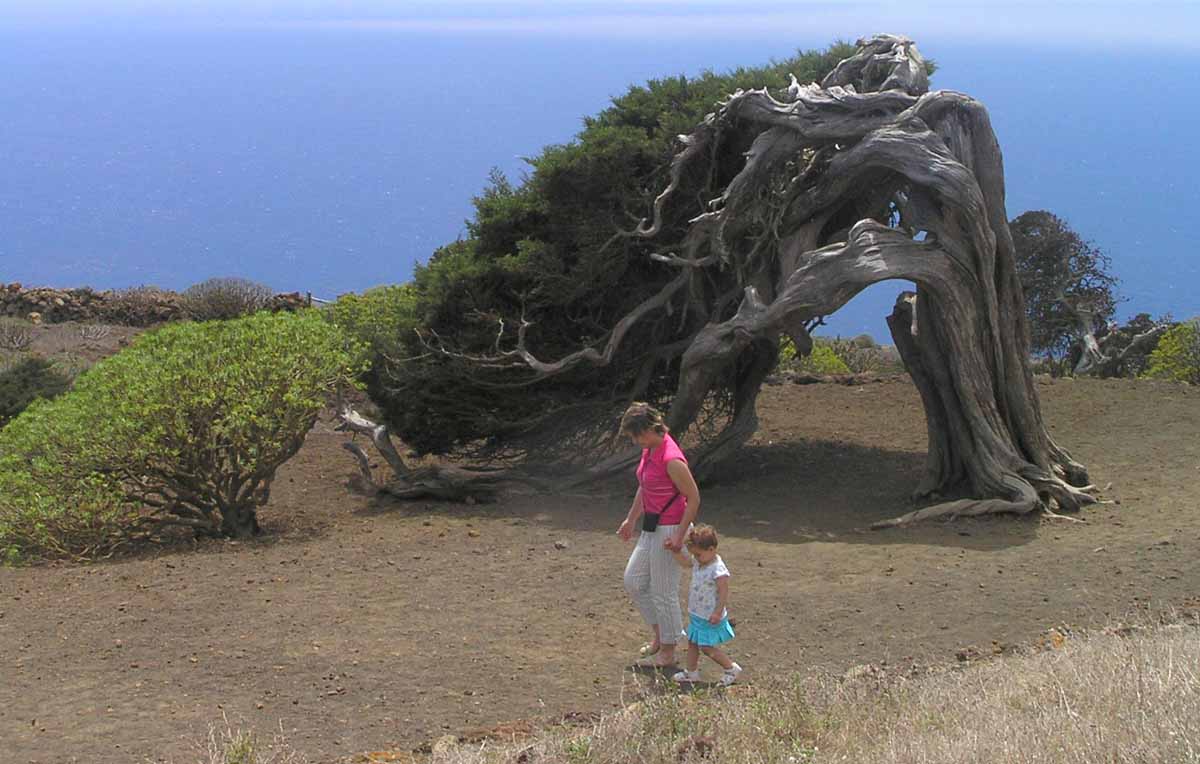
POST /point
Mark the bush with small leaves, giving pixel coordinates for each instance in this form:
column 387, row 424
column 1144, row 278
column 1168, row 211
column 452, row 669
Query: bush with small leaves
column 834, row 355
column 823, row 360
column 382, row 318
column 225, row 298
column 28, row 380
column 1177, row 356
column 862, row 355
column 185, row 427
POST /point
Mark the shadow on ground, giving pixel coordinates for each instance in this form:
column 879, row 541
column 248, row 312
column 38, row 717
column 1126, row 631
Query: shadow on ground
column 779, row 493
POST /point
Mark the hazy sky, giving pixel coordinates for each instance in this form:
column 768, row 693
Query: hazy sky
column 1105, row 22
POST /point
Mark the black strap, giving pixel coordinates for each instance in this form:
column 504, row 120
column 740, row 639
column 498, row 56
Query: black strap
column 668, row 504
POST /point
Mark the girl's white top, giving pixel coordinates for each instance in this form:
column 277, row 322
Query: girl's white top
column 702, row 596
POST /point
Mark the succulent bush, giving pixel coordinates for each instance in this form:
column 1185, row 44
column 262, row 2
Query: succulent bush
column 1177, row 356
column 186, row 427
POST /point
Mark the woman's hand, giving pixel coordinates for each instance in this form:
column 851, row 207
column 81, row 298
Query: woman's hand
column 626, row 530
column 674, row 542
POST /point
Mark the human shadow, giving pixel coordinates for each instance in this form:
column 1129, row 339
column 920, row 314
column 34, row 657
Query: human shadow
column 652, row 680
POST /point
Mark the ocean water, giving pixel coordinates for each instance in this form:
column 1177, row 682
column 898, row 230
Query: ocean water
column 332, row 160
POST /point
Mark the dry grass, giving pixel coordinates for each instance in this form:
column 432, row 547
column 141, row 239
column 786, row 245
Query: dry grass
column 1125, row 695
column 226, row 745
column 15, row 334
column 1106, row 697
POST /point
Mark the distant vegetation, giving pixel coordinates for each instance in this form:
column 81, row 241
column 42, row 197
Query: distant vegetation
column 1177, row 356
column 225, row 298
column 838, row 355
column 1070, row 300
column 1066, row 282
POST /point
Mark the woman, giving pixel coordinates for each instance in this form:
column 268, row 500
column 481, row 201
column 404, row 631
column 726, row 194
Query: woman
column 666, row 503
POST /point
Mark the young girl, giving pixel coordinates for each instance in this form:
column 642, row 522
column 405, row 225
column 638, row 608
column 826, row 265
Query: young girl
column 707, row 597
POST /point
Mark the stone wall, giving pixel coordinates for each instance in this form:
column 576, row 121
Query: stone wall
column 139, row 306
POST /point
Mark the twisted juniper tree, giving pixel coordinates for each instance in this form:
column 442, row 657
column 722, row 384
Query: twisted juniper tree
column 826, row 190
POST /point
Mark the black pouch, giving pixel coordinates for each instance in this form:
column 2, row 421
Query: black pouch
column 650, row 519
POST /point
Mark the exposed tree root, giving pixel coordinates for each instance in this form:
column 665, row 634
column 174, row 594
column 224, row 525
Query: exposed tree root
column 447, row 483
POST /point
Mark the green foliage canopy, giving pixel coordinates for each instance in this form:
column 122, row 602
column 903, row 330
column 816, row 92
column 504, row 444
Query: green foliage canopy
column 187, row 426
column 546, row 252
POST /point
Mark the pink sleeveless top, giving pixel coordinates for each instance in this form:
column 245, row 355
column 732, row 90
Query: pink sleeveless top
column 657, row 488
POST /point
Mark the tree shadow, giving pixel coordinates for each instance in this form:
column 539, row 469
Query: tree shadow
column 780, row 493
column 819, row 490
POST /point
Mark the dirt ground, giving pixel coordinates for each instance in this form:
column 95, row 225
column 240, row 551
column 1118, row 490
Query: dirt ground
column 359, row 625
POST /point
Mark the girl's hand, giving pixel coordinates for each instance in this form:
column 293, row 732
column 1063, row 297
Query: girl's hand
column 715, row 618
column 626, row 530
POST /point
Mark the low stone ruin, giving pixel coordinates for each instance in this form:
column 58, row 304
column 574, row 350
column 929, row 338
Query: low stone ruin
column 139, row 306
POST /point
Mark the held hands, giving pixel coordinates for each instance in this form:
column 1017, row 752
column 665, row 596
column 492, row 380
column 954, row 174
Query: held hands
column 675, row 541
column 716, row 616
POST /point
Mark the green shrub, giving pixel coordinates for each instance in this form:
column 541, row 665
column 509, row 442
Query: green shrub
column 380, row 318
column 225, row 298
column 26, row 381
column 835, row 355
column 1177, row 356
column 863, row 355
column 823, row 360
column 185, row 427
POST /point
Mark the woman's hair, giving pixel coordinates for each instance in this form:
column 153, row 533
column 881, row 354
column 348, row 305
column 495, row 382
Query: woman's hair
column 642, row 417
column 702, row 537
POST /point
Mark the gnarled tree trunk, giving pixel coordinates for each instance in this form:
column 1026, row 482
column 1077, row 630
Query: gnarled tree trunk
column 864, row 178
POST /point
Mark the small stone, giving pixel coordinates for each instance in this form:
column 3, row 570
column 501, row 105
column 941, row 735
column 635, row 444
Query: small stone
column 561, row 545
column 473, row 533
column 444, row 746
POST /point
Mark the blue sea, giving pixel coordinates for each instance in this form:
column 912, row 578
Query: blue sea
column 330, row 160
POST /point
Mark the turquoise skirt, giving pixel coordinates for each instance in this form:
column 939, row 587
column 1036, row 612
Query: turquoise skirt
column 701, row 632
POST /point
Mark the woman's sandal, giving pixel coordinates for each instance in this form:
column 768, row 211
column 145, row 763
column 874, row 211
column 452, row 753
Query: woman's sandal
column 649, row 649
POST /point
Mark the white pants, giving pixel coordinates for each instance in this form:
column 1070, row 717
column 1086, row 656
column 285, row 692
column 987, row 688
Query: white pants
column 652, row 580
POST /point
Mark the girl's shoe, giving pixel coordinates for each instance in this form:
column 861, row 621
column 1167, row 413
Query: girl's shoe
column 731, row 674
column 691, row 677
